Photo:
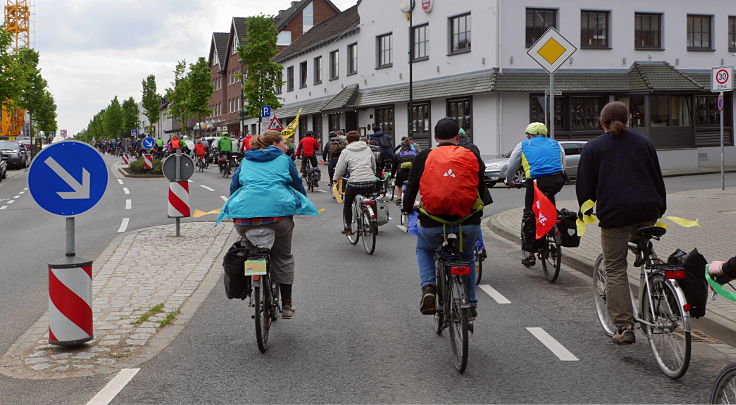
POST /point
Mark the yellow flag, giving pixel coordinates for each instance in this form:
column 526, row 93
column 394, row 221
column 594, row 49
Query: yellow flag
column 198, row 213
column 337, row 191
column 661, row 224
column 581, row 227
column 687, row 223
column 290, row 129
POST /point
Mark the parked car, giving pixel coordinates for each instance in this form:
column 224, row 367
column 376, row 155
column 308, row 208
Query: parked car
column 496, row 167
column 3, row 168
column 15, row 154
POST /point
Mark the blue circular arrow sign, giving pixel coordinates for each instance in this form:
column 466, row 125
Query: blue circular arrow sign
column 149, row 143
column 67, row 178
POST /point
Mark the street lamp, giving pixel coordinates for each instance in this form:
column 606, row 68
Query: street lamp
column 407, row 7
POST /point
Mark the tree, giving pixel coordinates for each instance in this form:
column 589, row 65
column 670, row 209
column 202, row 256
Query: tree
column 200, row 89
column 262, row 76
column 129, row 115
column 112, row 119
column 13, row 74
column 46, row 114
column 178, row 96
column 151, row 101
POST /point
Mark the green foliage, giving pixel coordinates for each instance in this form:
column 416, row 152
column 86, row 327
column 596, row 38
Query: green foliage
column 178, row 96
column 151, row 100
column 13, row 73
column 200, row 89
column 129, row 116
column 112, row 123
column 45, row 114
column 262, row 75
column 136, row 167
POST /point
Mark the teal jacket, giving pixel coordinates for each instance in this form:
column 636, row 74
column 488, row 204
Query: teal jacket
column 267, row 184
column 538, row 156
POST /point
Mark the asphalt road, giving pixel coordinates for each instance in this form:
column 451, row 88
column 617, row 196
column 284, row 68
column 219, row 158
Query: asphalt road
column 357, row 335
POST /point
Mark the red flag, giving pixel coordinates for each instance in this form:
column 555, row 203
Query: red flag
column 545, row 212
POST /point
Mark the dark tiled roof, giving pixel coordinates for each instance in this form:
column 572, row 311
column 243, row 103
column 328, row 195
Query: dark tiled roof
column 283, row 18
column 308, row 108
column 328, row 30
column 220, row 40
column 701, row 78
column 566, row 82
column 241, row 27
column 660, row 76
column 345, row 97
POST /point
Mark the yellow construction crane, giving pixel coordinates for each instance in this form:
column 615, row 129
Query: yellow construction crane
column 17, row 22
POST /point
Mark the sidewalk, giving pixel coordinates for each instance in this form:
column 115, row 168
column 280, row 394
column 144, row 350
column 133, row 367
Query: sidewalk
column 141, row 272
column 698, row 171
column 714, row 209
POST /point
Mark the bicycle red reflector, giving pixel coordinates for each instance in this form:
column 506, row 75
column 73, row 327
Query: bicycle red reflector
column 256, row 278
column 678, row 274
column 369, row 202
column 460, row 270
column 686, row 307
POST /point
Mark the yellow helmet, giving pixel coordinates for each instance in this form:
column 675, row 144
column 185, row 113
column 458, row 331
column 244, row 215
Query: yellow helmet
column 536, row 128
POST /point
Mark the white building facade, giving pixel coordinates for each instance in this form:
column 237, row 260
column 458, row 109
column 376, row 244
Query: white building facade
column 470, row 62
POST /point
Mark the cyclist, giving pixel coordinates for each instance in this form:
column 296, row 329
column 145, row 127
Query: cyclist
column 225, row 146
column 543, row 160
column 308, row 148
column 266, row 191
column 723, row 271
column 450, row 180
column 404, row 159
column 200, row 150
column 332, row 152
column 620, row 172
column 357, row 160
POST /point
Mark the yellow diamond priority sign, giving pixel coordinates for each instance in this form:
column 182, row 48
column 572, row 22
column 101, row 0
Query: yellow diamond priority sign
column 551, row 50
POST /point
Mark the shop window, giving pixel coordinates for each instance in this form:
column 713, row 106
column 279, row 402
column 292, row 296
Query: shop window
column 669, row 111
column 462, row 111
column 584, row 112
column 384, row 120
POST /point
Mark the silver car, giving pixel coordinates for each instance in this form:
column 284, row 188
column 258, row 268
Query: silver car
column 496, row 167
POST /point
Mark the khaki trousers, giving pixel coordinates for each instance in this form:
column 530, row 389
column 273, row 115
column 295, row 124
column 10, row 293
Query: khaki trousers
column 614, row 242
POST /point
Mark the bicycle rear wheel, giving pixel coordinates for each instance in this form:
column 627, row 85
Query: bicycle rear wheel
column 458, row 318
column 262, row 298
column 355, row 226
column 724, row 390
column 669, row 333
column 600, row 293
column 551, row 259
column 438, row 316
column 369, row 231
column 478, row 265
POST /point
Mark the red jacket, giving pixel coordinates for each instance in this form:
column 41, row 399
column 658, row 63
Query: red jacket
column 308, row 147
column 245, row 145
column 199, row 150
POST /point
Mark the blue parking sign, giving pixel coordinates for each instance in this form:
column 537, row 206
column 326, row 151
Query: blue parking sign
column 265, row 111
column 68, row 178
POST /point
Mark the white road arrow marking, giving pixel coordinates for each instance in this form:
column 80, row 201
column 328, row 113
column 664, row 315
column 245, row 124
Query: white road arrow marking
column 81, row 191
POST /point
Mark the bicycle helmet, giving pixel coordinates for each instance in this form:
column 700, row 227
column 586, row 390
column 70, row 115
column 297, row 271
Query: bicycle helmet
column 310, row 133
column 536, row 128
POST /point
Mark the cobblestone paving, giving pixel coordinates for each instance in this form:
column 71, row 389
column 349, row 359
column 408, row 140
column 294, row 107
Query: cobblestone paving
column 148, row 268
column 714, row 209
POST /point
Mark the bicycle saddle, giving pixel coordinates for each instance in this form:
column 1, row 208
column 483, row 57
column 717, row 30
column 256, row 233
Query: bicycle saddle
column 651, row 231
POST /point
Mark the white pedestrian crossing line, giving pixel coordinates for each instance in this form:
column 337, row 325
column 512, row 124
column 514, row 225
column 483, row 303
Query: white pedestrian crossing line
column 123, row 225
column 223, row 198
column 128, row 204
column 322, row 191
column 126, row 191
column 113, row 388
column 497, row 296
column 120, row 181
column 552, row 344
column 403, row 228
column 206, row 188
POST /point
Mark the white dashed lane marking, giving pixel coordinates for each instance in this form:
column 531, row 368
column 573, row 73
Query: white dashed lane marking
column 113, row 388
column 11, row 201
column 126, row 191
column 206, row 188
column 16, row 197
column 120, row 181
column 123, row 225
column 552, row 344
column 497, row 296
column 25, row 189
column 128, row 204
column 3, row 207
column 22, row 192
column 223, row 198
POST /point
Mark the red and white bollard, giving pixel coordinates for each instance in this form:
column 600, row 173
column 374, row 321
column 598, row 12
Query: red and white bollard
column 179, row 199
column 148, row 161
column 70, row 302
column 126, row 159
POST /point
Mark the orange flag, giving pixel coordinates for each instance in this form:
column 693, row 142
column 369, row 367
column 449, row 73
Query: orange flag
column 545, row 212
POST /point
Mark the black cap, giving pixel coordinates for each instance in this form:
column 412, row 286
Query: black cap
column 446, row 128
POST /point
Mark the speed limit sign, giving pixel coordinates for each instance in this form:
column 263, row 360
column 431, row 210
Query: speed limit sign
column 722, row 79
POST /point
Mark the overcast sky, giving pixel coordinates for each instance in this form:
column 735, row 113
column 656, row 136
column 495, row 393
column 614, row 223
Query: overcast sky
column 93, row 50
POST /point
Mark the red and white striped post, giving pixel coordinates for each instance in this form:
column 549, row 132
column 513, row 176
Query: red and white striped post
column 126, row 159
column 148, row 161
column 70, row 302
column 179, row 202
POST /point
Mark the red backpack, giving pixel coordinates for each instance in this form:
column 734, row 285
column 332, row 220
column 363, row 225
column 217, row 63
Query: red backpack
column 449, row 185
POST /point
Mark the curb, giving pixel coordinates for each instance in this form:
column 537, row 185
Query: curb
column 715, row 325
column 695, row 172
column 136, row 176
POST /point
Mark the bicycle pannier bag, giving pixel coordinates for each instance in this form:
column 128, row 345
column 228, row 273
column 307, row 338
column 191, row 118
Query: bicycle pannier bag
column 381, row 212
column 694, row 285
column 449, row 185
column 316, row 174
column 568, row 228
column 237, row 285
column 529, row 241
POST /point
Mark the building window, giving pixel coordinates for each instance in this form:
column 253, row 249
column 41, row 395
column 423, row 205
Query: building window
column 279, row 82
column 706, row 111
column 308, row 17
column 290, row 78
column 333, row 122
column 732, row 34
column 538, row 110
column 352, row 59
column 420, row 124
column 538, row 21
column 669, row 111
column 461, row 110
column 384, row 120
column 594, row 29
column 636, row 106
column 460, row 34
column 334, row 64
column 318, row 70
column 647, row 31
column 303, row 75
column 384, row 46
column 317, row 128
column 584, row 112
column 699, row 28
column 421, row 42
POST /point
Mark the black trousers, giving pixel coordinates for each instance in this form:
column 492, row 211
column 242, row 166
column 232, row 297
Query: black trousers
column 549, row 185
column 351, row 191
column 310, row 159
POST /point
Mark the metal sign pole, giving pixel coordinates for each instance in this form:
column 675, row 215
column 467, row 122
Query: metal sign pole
column 723, row 176
column 178, row 178
column 70, row 236
column 552, row 106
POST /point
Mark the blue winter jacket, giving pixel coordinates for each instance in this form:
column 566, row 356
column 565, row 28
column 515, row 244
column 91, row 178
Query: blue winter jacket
column 541, row 156
column 266, row 184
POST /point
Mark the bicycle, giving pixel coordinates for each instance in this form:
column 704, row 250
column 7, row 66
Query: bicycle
column 453, row 306
column 265, row 297
column 200, row 164
column 549, row 251
column 309, row 176
column 364, row 222
column 225, row 166
column 662, row 312
column 724, row 389
column 480, row 255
